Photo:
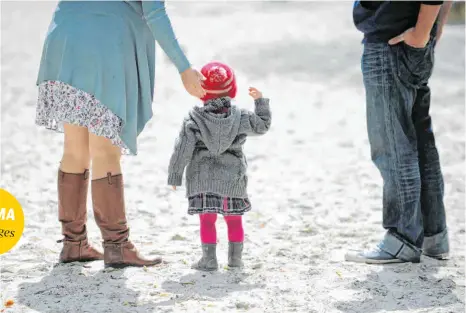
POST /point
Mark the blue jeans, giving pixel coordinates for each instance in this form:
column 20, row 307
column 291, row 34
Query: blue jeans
column 402, row 140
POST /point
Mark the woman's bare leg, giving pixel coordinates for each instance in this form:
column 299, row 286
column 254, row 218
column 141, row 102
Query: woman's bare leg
column 105, row 156
column 76, row 158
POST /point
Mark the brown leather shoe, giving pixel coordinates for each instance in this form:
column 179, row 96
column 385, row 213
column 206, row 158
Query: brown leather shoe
column 72, row 213
column 109, row 211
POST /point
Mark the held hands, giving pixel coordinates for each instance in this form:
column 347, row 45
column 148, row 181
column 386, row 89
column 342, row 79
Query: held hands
column 191, row 79
column 411, row 38
column 174, row 188
column 255, row 93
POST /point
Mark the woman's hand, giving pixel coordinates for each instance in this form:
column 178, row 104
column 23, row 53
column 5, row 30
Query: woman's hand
column 174, row 187
column 192, row 82
column 254, row 93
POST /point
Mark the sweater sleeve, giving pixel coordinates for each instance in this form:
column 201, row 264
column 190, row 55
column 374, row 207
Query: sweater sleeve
column 257, row 122
column 160, row 25
column 182, row 154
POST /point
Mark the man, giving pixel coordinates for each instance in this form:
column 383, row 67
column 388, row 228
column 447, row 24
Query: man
column 399, row 43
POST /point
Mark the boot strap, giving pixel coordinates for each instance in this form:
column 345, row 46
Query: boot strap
column 123, row 244
column 73, row 243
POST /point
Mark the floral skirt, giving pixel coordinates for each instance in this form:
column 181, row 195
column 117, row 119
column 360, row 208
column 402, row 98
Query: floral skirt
column 59, row 103
column 212, row 203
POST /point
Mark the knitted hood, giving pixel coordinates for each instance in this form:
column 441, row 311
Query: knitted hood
column 218, row 130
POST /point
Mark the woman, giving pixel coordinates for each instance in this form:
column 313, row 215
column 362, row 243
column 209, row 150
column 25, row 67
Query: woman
column 96, row 83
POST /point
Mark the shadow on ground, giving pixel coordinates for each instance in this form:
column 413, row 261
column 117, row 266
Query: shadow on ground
column 104, row 291
column 394, row 289
column 203, row 285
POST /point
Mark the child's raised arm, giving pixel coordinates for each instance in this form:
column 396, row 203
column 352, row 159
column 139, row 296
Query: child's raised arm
column 257, row 122
column 182, row 154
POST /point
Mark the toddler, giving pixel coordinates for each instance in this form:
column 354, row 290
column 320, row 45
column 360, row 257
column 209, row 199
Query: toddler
column 210, row 146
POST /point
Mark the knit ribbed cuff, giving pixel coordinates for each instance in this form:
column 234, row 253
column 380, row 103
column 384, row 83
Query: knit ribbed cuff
column 261, row 101
column 175, row 179
column 262, row 105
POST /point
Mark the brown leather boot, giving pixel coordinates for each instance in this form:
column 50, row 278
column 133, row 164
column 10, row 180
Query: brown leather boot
column 109, row 211
column 72, row 213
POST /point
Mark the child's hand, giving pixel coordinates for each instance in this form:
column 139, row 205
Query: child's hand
column 174, row 187
column 254, row 93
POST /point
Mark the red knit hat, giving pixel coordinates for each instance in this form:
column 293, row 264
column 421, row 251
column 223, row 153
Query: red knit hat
column 220, row 81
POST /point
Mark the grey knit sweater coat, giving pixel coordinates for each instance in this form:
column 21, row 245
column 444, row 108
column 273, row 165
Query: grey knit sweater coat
column 210, row 146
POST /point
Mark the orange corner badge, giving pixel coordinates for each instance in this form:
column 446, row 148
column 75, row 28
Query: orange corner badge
column 11, row 221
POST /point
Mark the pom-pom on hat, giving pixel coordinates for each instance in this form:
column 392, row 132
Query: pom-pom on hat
column 220, row 81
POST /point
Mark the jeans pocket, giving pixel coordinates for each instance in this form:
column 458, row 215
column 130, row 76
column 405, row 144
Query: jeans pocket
column 414, row 65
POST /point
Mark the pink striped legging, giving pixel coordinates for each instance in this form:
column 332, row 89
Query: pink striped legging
column 209, row 232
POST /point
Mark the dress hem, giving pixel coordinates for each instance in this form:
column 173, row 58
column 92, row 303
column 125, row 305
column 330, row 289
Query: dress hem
column 60, row 103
